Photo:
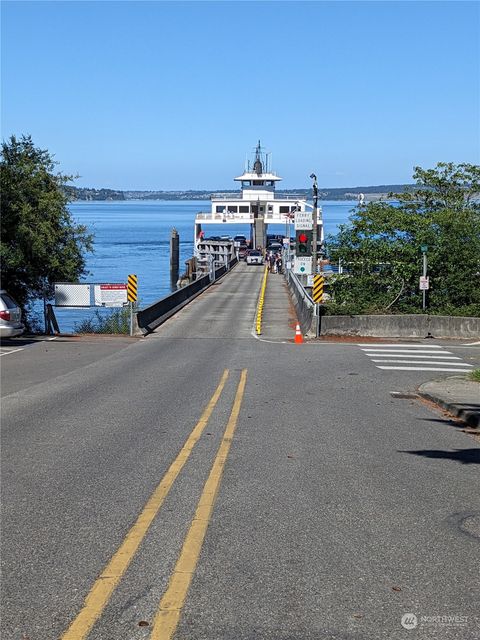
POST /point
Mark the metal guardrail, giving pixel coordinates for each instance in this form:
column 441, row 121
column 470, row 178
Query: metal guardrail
column 304, row 304
column 297, row 285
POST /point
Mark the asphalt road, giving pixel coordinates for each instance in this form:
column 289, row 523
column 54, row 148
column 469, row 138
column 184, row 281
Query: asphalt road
column 327, row 507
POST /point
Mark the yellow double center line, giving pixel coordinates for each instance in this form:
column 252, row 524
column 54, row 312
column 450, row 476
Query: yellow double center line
column 170, row 607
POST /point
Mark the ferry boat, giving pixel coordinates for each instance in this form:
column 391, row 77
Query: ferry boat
column 256, row 205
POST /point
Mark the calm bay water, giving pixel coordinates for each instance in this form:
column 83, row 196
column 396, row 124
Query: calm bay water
column 134, row 237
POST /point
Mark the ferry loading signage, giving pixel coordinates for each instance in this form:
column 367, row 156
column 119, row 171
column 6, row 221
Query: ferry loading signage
column 302, row 265
column 303, row 220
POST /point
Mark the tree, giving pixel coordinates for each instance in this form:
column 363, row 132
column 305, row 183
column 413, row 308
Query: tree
column 381, row 247
column 40, row 242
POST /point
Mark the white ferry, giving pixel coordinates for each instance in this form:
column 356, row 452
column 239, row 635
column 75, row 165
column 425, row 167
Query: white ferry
column 256, row 204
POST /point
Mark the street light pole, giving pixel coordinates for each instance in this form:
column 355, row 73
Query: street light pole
column 424, row 275
column 424, row 250
column 315, row 221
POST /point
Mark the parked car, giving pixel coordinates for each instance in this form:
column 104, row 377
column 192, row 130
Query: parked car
column 240, row 239
column 10, row 316
column 254, row 257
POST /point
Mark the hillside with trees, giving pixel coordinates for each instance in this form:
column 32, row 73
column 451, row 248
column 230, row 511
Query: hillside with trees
column 381, row 248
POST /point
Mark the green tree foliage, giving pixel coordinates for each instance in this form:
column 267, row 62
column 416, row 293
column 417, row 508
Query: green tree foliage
column 40, row 243
column 381, row 247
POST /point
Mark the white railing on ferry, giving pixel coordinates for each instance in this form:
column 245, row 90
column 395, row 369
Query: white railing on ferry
column 275, row 196
column 226, row 196
column 228, row 215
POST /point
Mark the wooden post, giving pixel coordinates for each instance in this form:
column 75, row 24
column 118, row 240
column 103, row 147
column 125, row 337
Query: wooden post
column 52, row 320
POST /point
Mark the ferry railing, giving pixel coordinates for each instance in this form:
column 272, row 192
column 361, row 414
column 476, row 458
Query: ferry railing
column 223, row 217
column 279, row 218
column 227, row 196
column 273, row 195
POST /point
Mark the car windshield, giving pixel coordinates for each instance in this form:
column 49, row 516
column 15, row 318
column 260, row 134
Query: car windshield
column 255, row 253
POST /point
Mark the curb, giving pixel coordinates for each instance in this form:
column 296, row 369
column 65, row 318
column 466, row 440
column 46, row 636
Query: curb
column 470, row 417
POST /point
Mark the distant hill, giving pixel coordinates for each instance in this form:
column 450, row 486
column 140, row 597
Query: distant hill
column 344, row 193
column 81, row 193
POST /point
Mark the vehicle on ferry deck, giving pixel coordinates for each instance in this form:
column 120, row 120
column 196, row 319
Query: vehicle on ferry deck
column 254, row 257
column 243, row 252
column 274, row 246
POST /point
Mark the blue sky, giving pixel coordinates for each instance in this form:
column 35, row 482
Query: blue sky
column 173, row 95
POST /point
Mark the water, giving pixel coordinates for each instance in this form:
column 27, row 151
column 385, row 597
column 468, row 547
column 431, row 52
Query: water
column 134, row 237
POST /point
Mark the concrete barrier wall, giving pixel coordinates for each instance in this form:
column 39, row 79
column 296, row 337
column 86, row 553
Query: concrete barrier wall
column 401, row 326
column 391, row 326
column 148, row 319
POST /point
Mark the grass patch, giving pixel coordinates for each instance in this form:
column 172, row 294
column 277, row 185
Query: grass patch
column 475, row 375
column 117, row 322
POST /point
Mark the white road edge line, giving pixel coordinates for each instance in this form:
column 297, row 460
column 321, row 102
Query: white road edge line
column 450, row 364
column 7, row 353
column 424, row 369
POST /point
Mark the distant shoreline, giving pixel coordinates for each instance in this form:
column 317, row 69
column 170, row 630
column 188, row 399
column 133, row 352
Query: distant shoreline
column 79, row 194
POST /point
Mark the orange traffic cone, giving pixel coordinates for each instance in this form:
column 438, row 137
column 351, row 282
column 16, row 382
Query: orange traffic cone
column 298, row 335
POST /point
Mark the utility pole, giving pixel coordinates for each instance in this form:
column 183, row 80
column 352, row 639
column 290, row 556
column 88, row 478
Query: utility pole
column 315, row 222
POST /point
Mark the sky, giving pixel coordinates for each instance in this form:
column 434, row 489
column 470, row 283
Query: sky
column 175, row 95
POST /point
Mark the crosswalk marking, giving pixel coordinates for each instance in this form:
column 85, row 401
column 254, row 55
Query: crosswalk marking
column 370, row 351
column 418, row 357
column 389, row 354
column 399, row 344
